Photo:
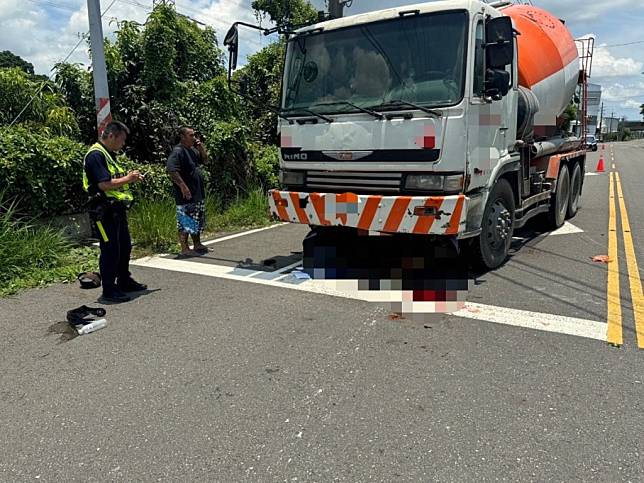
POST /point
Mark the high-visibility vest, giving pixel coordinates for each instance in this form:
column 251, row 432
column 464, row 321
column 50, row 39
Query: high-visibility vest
column 122, row 193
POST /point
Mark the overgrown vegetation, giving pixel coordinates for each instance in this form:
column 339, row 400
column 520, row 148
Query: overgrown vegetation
column 162, row 74
column 153, row 223
column 34, row 255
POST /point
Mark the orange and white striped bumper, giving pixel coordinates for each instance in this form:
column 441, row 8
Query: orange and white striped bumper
column 437, row 215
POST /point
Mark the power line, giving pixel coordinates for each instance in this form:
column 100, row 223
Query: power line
column 136, row 4
column 47, row 3
column 620, row 45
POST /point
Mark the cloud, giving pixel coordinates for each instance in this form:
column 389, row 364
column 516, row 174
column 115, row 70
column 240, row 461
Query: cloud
column 631, row 104
column 620, row 93
column 606, row 65
column 44, row 34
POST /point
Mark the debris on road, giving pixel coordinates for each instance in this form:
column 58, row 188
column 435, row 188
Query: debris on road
column 301, row 275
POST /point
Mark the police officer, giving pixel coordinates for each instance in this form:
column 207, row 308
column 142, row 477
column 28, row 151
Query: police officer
column 107, row 184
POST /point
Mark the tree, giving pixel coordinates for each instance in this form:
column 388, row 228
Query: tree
column 176, row 50
column 76, row 86
column 163, row 74
column 38, row 103
column 286, row 12
column 264, row 73
column 152, row 70
column 9, row 59
column 569, row 115
column 263, row 70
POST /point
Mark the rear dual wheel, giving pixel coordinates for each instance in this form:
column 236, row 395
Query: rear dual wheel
column 575, row 191
column 560, row 200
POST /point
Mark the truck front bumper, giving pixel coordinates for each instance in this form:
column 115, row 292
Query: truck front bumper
column 423, row 215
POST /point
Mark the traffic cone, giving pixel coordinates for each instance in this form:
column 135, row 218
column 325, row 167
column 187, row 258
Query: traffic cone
column 600, row 165
column 603, row 145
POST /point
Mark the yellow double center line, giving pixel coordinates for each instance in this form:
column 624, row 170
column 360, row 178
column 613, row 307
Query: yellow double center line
column 614, row 335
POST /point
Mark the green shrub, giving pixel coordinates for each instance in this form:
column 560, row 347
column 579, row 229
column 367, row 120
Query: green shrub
column 229, row 167
column 157, row 184
column 266, row 163
column 43, row 173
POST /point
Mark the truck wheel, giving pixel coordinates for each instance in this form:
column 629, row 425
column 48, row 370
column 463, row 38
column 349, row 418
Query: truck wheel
column 575, row 191
column 559, row 202
column 491, row 248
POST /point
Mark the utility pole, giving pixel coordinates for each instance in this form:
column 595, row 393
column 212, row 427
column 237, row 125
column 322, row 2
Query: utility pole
column 601, row 118
column 336, row 7
column 99, row 71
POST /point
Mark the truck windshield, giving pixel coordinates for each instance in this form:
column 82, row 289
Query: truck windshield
column 419, row 59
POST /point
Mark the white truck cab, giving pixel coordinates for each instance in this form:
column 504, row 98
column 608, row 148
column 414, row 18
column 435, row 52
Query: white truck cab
column 412, row 120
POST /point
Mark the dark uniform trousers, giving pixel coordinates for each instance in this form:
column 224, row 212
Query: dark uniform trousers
column 114, row 261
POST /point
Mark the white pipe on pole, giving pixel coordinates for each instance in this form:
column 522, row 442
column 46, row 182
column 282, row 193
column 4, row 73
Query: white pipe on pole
column 99, row 70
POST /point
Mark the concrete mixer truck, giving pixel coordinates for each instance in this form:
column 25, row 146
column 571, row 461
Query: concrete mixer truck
column 441, row 120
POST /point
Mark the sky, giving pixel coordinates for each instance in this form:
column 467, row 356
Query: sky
column 44, row 32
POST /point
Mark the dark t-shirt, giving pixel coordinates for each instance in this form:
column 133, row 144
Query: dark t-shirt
column 96, row 170
column 185, row 161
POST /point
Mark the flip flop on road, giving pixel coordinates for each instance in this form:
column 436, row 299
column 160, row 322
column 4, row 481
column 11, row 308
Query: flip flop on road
column 78, row 315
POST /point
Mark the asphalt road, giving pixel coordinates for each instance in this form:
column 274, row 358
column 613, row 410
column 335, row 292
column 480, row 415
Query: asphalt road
column 227, row 370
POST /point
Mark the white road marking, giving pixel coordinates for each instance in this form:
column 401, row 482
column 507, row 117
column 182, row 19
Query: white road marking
column 225, row 238
column 566, row 229
column 590, row 173
column 349, row 289
column 533, row 320
column 243, row 233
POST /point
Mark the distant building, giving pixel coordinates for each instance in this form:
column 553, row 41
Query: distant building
column 610, row 125
column 594, row 101
column 636, row 128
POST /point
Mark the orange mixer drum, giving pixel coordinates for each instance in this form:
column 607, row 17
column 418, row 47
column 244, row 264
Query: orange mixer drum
column 548, row 60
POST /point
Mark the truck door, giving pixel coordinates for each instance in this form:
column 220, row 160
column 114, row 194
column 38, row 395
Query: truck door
column 491, row 125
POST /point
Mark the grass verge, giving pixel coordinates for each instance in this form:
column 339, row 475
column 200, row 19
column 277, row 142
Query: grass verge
column 153, row 223
column 32, row 256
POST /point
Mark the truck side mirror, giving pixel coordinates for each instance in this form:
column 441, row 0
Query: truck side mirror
column 497, row 83
column 499, row 47
column 232, row 42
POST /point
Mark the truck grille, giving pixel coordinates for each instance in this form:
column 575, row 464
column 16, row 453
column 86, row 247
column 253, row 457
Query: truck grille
column 339, row 181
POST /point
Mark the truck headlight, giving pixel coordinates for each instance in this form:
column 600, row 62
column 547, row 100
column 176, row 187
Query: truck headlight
column 424, row 182
column 291, row 178
column 453, row 183
column 435, row 182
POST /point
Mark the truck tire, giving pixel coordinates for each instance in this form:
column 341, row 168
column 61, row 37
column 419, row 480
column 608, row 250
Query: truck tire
column 491, row 247
column 575, row 191
column 559, row 201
